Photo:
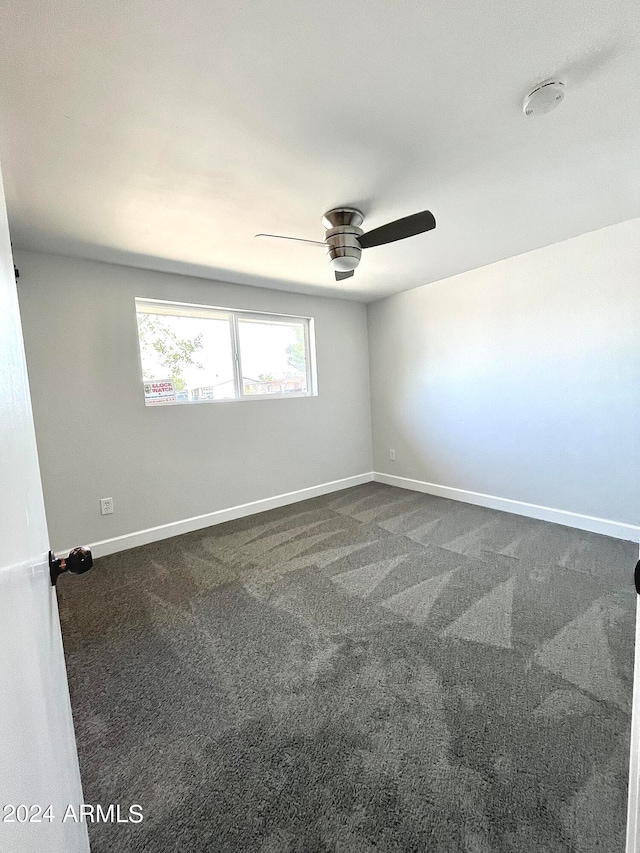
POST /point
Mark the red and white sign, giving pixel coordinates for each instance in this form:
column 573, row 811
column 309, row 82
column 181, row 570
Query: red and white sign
column 159, row 392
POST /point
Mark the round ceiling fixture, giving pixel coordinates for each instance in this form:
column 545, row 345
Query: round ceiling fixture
column 544, row 98
column 345, row 263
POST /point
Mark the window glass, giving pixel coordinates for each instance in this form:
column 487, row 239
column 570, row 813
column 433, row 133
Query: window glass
column 192, row 353
column 274, row 359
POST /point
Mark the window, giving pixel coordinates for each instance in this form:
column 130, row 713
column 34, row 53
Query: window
column 193, row 353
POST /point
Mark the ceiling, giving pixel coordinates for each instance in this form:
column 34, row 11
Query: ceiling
column 167, row 134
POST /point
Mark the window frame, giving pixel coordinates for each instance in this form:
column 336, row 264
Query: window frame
column 234, row 316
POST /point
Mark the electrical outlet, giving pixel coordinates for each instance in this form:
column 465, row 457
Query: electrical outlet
column 106, row 506
column 392, row 455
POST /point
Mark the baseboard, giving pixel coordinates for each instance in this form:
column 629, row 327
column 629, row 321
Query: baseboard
column 617, row 529
column 187, row 525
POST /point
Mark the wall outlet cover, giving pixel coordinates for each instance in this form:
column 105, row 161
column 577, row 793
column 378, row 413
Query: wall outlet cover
column 106, row 506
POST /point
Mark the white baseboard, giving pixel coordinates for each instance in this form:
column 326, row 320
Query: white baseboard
column 186, row 525
column 617, row 529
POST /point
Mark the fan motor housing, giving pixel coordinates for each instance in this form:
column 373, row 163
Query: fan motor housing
column 342, row 226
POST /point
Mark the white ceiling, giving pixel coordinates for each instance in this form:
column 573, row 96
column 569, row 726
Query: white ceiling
column 166, row 134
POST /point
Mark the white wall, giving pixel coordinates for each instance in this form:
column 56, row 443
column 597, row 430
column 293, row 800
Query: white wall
column 97, row 439
column 519, row 380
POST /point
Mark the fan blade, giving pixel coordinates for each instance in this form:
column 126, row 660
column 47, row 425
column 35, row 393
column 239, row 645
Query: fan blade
column 297, row 239
column 399, row 229
column 341, row 275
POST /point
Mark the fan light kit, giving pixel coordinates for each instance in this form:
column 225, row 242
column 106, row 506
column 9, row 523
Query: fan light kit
column 344, row 238
column 544, row 98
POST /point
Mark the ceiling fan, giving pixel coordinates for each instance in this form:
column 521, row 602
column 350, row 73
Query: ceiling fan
column 344, row 238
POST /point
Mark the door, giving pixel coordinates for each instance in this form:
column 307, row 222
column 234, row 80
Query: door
column 38, row 759
column 633, row 813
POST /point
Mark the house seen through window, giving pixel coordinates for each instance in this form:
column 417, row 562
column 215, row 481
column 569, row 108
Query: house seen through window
column 195, row 353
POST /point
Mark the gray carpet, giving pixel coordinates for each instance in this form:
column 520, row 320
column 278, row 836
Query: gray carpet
column 373, row 670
